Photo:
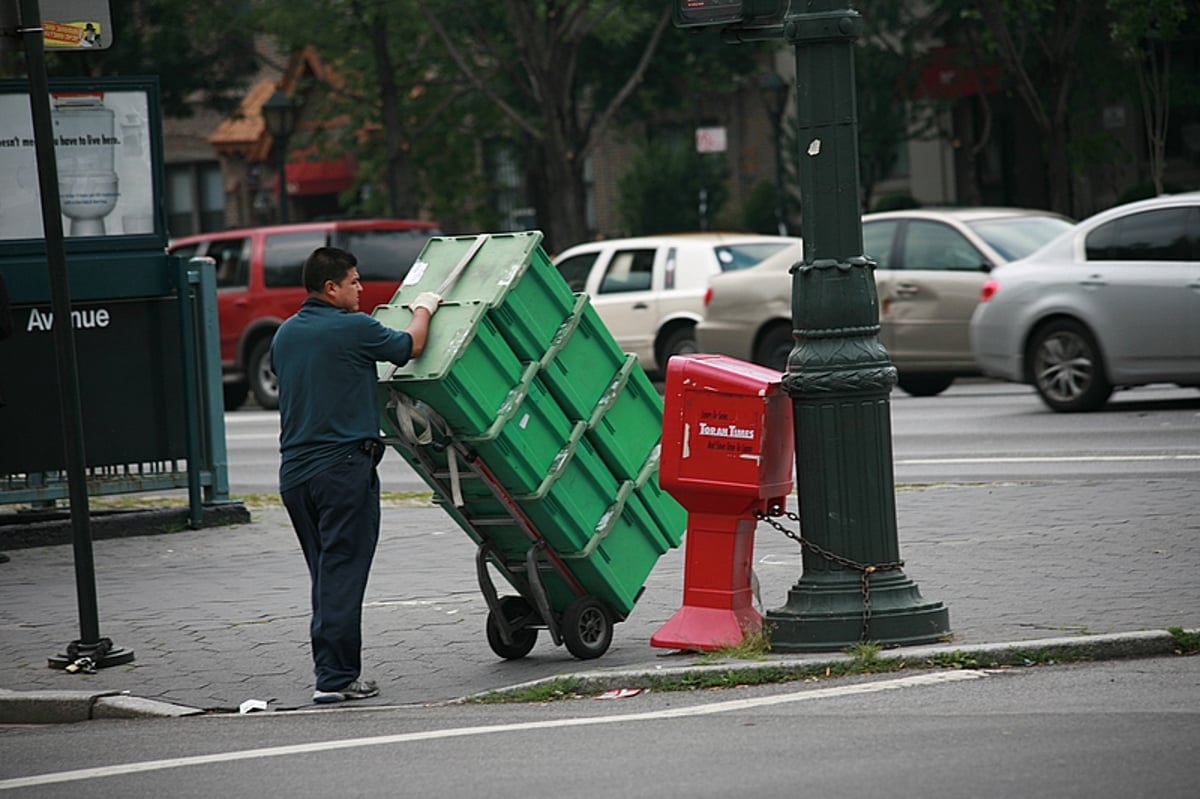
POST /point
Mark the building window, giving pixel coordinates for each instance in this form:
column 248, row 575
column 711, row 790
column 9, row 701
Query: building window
column 195, row 198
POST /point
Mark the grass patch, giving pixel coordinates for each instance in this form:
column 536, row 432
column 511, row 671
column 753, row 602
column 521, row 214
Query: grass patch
column 137, row 501
column 1186, row 643
column 754, row 645
column 551, row 691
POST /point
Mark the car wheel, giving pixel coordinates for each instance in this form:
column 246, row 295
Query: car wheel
column 924, row 385
column 234, row 394
column 775, row 347
column 680, row 341
column 263, row 382
column 1066, row 368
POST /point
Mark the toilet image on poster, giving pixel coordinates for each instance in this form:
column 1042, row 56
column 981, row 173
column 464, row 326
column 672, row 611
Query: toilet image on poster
column 101, row 146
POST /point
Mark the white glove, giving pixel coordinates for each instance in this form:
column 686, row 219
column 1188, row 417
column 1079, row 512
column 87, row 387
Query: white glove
column 427, row 300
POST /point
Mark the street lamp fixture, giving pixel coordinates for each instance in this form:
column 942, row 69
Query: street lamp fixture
column 279, row 115
column 775, row 91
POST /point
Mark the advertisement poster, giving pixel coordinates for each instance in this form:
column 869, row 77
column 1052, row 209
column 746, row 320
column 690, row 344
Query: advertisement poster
column 76, row 24
column 105, row 174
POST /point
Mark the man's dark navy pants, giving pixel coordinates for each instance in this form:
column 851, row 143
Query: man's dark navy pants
column 336, row 517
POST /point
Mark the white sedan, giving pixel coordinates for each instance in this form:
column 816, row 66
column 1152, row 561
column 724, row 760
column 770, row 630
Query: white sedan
column 649, row 290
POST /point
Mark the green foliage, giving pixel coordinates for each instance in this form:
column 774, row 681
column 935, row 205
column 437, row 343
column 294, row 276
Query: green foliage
column 660, row 192
column 1135, row 23
column 896, row 202
column 864, row 652
column 554, row 690
column 955, row 660
column 1188, row 643
column 754, row 646
column 759, row 212
column 200, row 50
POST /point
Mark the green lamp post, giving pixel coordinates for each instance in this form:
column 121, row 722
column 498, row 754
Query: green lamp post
column 852, row 586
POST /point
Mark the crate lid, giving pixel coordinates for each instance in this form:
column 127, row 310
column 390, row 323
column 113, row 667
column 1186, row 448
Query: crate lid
column 482, row 268
column 452, row 331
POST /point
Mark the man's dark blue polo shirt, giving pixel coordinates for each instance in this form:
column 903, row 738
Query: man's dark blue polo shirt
column 324, row 358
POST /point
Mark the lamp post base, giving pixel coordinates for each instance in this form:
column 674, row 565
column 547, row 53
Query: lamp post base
column 87, row 657
column 829, row 612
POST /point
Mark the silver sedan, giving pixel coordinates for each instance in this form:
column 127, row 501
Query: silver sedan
column 1113, row 303
column 930, row 266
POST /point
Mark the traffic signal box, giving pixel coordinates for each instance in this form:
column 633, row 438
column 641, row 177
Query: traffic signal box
column 727, row 453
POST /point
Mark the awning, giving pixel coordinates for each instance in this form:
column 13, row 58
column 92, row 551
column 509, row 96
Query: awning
column 319, row 177
column 947, row 74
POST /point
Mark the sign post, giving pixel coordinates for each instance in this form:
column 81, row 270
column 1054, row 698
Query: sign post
column 90, row 651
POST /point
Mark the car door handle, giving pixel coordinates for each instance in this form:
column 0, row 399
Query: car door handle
column 640, row 306
column 1094, row 280
column 907, row 289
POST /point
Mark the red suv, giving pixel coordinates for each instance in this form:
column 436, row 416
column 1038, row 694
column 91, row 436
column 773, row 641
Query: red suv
column 259, row 284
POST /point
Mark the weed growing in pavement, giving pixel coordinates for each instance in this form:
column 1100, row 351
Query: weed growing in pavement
column 755, row 645
column 955, row 660
column 563, row 688
column 1187, row 643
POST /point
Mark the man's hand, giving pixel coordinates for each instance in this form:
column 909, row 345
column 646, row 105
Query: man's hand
column 427, row 300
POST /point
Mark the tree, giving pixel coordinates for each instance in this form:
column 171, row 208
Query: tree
column 659, row 192
column 1142, row 31
column 195, row 50
column 1036, row 41
column 528, row 59
column 887, row 71
column 384, row 96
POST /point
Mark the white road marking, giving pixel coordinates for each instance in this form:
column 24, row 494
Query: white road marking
column 1046, row 459
column 925, row 678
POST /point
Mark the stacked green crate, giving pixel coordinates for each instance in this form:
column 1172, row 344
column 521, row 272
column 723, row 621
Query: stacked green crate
column 467, row 370
column 581, row 362
column 628, row 539
column 628, row 408
column 526, row 299
column 528, row 379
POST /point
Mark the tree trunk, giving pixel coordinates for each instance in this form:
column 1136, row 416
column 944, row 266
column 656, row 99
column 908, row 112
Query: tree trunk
column 402, row 200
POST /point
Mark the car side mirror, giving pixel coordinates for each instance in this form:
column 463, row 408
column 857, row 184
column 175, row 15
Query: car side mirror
column 986, row 267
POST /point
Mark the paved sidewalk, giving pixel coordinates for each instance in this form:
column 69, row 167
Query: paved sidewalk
column 219, row 616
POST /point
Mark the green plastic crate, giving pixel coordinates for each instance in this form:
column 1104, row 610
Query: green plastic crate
column 466, row 371
column 510, row 273
column 569, row 502
column 627, row 542
column 669, row 517
column 521, row 446
column 627, row 422
column 582, row 361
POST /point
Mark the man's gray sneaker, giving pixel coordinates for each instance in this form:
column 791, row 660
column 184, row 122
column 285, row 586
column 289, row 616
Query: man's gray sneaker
column 359, row 689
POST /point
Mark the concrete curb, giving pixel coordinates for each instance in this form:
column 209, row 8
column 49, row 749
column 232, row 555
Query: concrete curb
column 68, row 707
column 58, row 707
column 1114, row 646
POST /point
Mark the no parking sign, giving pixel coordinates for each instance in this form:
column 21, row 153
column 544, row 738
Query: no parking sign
column 710, row 140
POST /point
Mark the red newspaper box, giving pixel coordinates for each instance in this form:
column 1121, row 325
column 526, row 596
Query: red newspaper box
column 727, row 452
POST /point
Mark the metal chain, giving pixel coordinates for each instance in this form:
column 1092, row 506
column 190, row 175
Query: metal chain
column 866, row 569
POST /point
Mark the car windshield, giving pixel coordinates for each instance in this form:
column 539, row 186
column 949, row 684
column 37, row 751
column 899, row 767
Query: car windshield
column 732, row 257
column 1018, row 236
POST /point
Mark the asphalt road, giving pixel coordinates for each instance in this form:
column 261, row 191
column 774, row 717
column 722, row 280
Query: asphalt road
column 977, row 431
column 1098, row 730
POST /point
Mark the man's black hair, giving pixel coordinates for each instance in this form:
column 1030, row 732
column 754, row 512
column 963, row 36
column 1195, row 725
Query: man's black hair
column 327, row 263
